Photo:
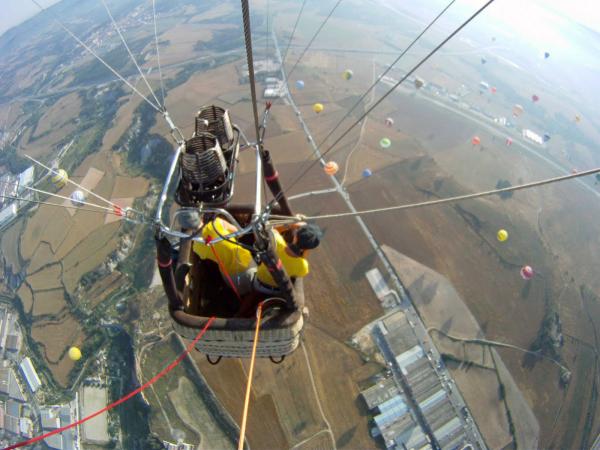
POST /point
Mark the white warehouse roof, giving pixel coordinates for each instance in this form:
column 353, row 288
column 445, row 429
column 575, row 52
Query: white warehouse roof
column 30, row 374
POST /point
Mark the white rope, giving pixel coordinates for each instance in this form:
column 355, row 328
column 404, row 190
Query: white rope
column 52, row 194
column 162, row 87
column 157, row 108
column 60, row 205
column 129, row 51
column 444, row 200
column 99, row 197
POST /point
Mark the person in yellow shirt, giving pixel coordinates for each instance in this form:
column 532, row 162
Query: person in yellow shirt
column 305, row 237
column 232, row 258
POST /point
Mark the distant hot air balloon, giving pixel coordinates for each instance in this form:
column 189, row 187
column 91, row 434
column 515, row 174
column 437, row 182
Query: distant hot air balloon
column 475, row 140
column 502, row 235
column 318, row 107
column 508, row 141
column 347, row 75
column 577, row 118
column 546, row 55
column 526, row 272
column 389, row 122
column 534, row 98
column 419, row 82
column 60, row 178
column 546, row 137
column 331, row 168
column 385, row 143
column 483, row 60
column 367, row 173
column 300, row 84
column 517, row 110
column 77, row 198
column 74, row 353
column 493, row 89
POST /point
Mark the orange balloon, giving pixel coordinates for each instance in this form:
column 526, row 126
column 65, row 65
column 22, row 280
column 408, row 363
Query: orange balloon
column 331, row 168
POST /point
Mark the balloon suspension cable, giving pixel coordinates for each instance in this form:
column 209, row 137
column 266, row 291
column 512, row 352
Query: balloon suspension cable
column 52, row 194
column 293, row 32
column 120, row 213
column 250, row 61
column 250, row 376
column 392, row 89
column 385, row 72
column 176, row 133
column 135, row 63
column 68, row 180
column 263, row 124
column 129, row 214
column 313, row 38
column 98, row 57
column 457, row 198
column 162, row 85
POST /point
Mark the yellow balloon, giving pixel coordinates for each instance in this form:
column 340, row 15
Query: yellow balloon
column 318, row 107
column 502, row 235
column 75, row 353
column 59, row 179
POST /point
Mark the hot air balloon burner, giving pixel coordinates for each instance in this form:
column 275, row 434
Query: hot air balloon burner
column 203, row 172
column 215, row 120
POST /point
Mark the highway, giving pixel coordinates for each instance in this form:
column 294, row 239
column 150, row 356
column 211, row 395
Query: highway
column 486, row 124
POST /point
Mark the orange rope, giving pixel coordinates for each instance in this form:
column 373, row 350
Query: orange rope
column 250, row 373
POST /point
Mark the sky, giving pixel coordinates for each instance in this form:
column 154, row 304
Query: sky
column 16, row 11
column 516, row 14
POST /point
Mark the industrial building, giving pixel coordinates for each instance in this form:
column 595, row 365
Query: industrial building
column 263, row 69
column 55, row 442
column 393, row 420
column 422, row 386
column 49, row 418
column 178, row 446
column 14, row 186
column 57, row 416
column 386, row 296
column 10, row 336
column 8, row 213
column 26, row 427
column 397, row 333
column 10, row 386
column 274, row 88
column 533, row 137
column 31, row 376
column 380, row 393
column 11, row 424
column 9, row 184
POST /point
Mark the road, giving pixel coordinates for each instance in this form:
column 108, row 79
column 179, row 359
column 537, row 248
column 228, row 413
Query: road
column 405, row 304
column 496, row 344
column 486, row 124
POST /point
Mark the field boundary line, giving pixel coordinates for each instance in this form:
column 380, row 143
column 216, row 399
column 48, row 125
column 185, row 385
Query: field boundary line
column 314, row 386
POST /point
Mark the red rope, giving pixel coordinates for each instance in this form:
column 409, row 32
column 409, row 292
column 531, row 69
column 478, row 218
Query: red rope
column 149, row 383
column 208, row 239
